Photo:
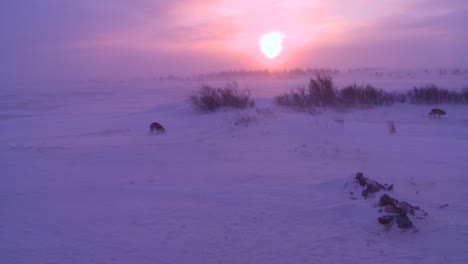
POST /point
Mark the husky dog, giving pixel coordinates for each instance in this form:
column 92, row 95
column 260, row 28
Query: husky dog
column 437, row 112
column 155, row 127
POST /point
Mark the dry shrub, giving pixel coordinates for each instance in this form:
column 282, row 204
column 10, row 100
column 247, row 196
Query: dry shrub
column 320, row 92
column 297, row 99
column 211, row 99
column 431, row 94
column 368, row 95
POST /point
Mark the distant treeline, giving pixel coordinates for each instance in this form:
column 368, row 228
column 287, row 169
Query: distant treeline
column 268, row 73
column 309, row 72
column 236, row 74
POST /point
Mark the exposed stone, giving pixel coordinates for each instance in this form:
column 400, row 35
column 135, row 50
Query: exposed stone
column 360, row 178
column 390, row 209
column 400, row 211
column 371, row 186
column 406, row 207
column 404, row 222
column 385, row 220
column 387, row 200
column 374, row 185
column 395, row 211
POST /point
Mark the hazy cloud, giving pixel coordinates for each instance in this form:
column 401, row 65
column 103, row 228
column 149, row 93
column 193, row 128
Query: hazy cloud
column 67, row 38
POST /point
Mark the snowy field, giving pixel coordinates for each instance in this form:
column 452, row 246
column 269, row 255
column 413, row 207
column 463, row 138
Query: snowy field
column 82, row 180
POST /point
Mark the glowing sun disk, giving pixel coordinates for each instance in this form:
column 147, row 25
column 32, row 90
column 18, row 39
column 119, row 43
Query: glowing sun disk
column 271, row 44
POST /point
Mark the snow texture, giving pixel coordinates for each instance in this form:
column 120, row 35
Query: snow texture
column 83, row 180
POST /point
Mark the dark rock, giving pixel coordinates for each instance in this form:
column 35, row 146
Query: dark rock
column 375, row 186
column 406, row 207
column 385, row 220
column 387, row 200
column 437, row 112
column 400, row 211
column 365, row 193
column 360, row 178
column 404, row 222
column 371, row 187
column 444, row 205
column 390, row 209
column 394, row 210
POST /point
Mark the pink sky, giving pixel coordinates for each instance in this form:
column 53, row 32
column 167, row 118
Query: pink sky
column 60, row 39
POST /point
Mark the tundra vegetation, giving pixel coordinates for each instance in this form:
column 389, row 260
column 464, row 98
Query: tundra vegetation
column 321, row 92
column 211, row 99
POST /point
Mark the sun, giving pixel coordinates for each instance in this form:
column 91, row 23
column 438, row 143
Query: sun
column 271, row 44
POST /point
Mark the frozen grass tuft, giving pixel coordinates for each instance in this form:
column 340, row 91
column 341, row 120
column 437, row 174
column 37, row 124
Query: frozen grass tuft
column 360, row 95
column 297, row 99
column 431, row 94
column 322, row 93
column 211, row 99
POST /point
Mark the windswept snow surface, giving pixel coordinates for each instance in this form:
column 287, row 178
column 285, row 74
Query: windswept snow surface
column 82, row 180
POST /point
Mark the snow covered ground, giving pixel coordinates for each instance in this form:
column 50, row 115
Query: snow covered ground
column 82, row 181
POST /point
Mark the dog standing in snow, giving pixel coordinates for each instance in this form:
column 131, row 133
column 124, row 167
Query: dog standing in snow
column 155, row 127
column 436, row 111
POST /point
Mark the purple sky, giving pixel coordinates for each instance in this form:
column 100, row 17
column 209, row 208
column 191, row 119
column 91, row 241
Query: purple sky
column 82, row 39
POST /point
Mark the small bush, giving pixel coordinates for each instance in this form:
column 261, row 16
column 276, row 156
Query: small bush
column 359, row 95
column 298, row 99
column 431, row 94
column 465, row 95
column 322, row 91
column 211, row 99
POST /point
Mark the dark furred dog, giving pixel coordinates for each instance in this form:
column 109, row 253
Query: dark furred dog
column 155, row 127
column 437, row 112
